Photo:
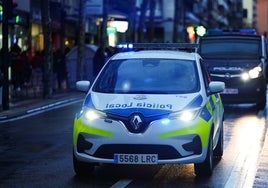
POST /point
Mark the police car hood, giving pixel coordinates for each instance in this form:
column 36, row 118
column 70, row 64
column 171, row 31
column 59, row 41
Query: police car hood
column 146, row 104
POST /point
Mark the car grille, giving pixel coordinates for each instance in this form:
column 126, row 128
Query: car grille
column 139, row 127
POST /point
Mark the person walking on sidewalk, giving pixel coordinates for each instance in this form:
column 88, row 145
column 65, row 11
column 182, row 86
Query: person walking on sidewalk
column 59, row 69
column 17, row 68
column 37, row 67
column 98, row 60
column 27, row 68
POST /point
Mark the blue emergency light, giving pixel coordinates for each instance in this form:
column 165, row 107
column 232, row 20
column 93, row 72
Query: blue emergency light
column 158, row 46
column 245, row 31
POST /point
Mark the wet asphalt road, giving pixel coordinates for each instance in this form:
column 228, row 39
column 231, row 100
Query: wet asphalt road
column 37, row 152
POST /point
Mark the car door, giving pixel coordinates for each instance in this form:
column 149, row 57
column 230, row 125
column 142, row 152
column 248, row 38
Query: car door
column 214, row 100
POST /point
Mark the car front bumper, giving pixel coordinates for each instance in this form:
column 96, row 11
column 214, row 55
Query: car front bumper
column 239, row 91
column 173, row 142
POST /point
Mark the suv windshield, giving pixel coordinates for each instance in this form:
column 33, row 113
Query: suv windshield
column 231, row 48
column 156, row 76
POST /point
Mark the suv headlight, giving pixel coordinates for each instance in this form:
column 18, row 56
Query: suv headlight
column 253, row 73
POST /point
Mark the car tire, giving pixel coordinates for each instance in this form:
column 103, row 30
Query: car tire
column 261, row 105
column 205, row 168
column 82, row 168
column 218, row 151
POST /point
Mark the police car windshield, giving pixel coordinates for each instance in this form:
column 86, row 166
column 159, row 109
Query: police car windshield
column 151, row 76
column 231, row 48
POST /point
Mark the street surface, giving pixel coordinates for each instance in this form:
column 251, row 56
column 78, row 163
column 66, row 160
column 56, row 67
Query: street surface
column 37, row 152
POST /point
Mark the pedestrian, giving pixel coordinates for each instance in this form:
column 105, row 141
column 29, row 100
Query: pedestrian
column 55, row 69
column 98, row 60
column 37, row 62
column 109, row 51
column 37, row 71
column 17, row 68
column 29, row 55
column 59, row 69
column 27, row 67
column 64, row 68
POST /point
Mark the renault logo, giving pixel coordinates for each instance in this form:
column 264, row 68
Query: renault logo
column 136, row 122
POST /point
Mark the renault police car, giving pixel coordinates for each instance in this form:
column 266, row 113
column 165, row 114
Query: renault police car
column 150, row 106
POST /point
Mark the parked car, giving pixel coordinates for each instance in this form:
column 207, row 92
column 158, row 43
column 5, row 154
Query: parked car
column 150, row 107
column 239, row 59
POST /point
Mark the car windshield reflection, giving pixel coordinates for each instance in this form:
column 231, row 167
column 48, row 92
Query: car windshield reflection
column 152, row 76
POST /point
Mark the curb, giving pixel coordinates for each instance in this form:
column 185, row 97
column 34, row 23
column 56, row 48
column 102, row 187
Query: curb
column 52, row 105
column 25, row 112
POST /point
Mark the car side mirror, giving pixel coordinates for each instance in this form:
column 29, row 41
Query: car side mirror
column 82, row 85
column 216, row 86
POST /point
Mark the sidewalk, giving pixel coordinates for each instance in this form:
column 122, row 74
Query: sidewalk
column 261, row 179
column 34, row 104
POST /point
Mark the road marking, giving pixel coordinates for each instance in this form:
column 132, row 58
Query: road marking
column 121, row 183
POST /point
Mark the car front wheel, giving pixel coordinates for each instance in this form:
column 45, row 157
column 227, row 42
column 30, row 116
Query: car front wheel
column 218, row 151
column 205, row 168
column 82, row 168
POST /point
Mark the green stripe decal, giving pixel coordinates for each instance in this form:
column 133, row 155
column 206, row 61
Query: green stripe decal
column 96, row 131
column 202, row 128
column 80, row 127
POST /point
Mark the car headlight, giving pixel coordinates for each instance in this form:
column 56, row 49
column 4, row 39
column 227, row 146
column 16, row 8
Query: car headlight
column 251, row 74
column 91, row 114
column 186, row 115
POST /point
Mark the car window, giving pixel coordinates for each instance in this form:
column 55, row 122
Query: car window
column 231, row 48
column 206, row 75
column 157, row 76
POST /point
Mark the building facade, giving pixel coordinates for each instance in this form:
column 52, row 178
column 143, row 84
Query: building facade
column 262, row 16
column 119, row 17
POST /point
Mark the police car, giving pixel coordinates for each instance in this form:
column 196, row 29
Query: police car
column 151, row 106
column 239, row 59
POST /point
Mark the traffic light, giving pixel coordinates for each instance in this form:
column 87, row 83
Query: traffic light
column 1, row 12
column 200, row 30
column 18, row 19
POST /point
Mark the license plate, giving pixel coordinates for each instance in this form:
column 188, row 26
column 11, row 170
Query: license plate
column 230, row 91
column 135, row 158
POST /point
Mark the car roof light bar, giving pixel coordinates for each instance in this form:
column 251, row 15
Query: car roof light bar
column 162, row 46
column 231, row 31
column 248, row 31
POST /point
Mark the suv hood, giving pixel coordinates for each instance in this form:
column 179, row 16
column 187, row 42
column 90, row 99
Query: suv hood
column 146, row 104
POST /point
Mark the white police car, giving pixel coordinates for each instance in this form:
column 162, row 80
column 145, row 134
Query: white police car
column 150, row 107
